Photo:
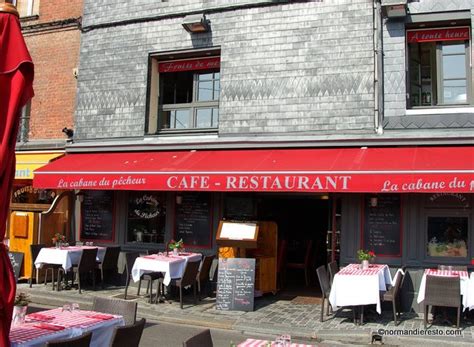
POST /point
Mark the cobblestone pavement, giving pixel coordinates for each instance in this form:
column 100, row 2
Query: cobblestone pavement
column 276, row 316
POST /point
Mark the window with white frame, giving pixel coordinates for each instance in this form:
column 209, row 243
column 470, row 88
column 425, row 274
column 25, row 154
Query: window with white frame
column 27, row 8
column 439, row 67
column 184, row 95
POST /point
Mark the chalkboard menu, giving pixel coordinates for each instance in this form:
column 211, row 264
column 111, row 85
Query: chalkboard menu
column 193, row 220
column 97, row 216
column 382, row 225
column 235, row 284
column 16, row 258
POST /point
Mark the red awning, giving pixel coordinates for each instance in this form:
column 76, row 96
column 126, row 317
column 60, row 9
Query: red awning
column 427, row 169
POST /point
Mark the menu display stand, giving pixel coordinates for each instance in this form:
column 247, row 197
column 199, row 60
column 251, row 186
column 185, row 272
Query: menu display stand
column 257, row 240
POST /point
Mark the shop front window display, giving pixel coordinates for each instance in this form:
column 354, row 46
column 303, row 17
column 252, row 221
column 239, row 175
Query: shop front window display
column 146, row 217
column 447, row 237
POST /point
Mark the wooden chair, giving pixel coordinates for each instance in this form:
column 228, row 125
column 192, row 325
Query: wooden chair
column 203, row 339
column 442, row 291
column 393, row 294
column 188, row 279
column 127, row 309
column 86, row 265
column 109, row 263
column 203, row 274
column 306, row 264
column 333, row 269
column 128, row 335
column 325, row 289
column 80, row 341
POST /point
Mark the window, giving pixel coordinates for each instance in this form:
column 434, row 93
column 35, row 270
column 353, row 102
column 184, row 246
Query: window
column 27, row 7
column 439, row 67
column 146, row 217
column 447, row 236
column 188, row 95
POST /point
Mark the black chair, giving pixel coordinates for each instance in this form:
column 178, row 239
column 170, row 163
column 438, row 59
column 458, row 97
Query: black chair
column 442, row 291
column 325, row 289
column 306, row 264
column 130, row 258
column 127, row 309
column 333, row 269
column 203, row 339
column 188, row 279
column 34, row 251
column 109, row 263
column 393, row 294
column 86, row 265
column 203, row 274
column 80, row 341
column 128, row 335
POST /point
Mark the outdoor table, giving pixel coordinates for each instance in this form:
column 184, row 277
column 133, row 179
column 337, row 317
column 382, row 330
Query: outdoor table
column 172, row 266
column 264, row 343
column 50, row 325
column 65, row 256
column 463, row 276
column 468, row 296
column 353, row 286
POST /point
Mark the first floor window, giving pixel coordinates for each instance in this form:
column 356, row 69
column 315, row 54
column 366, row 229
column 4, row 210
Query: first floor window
column 146, row 217
column 447, row 236
column 27, row 7
column 439, row 67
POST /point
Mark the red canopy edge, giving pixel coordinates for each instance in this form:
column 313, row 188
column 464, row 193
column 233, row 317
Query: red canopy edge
column 351, row 170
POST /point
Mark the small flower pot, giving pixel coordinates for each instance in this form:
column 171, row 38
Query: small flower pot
column 364, row 264
column 19, row 314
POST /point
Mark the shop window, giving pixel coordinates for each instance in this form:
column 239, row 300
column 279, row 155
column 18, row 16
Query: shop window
column 27, row 8
column 447, row 236
column 24, row 193
column 146, row 217
column 184, row 94
column 439, row 67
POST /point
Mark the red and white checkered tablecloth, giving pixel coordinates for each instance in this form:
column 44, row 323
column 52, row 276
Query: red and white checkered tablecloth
column 354, row 269
column 76, row 318
column 264, row 343
column 446, row 273
column 21, row 334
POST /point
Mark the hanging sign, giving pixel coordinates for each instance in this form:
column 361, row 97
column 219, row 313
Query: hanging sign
column 189, row 65
column 431, row 35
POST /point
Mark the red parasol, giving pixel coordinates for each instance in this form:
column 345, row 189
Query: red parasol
column 16, row 79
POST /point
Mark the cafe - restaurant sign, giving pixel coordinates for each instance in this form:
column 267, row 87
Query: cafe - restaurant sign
column 443, row 34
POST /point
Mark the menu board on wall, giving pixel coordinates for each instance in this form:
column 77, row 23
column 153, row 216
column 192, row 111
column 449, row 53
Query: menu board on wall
column 382, row 225
column 97, row 216
column 235, row 284
column 193, row 219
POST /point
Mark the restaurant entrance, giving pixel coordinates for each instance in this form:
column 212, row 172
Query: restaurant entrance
column 303, row 222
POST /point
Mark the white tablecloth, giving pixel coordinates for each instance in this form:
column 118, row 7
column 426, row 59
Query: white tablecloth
column 463, row 276
column 75, row 323
column 172, row 266
column 353, row 287
column 468, row 295
column 65, row 256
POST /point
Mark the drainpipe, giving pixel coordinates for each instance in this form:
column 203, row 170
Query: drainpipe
column 378, row 68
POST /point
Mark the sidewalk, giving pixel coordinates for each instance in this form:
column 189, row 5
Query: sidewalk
column 272, row 316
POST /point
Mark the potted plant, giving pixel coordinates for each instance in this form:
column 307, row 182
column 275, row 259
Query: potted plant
column 58, row 239
column 364, row 258
column 19, row 310
column 175, row 246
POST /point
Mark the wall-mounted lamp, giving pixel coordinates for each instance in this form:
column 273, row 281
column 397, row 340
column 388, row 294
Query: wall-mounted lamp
column 373, row 201
column 196, row 23
column 394, row 8
column 179, row 199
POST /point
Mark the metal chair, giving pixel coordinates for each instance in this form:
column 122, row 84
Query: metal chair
column 188, row 279
column 442, row 291
column 333, row 269
column 86, row 265
column 34, row 251
column 203, row 339
column 128, row 335
column 80, row 341
column 109, row 263
column 130, row 258
column 203, row 274
column 325, row 288
column 306, row 264
column 393, row 293
column 127, row 309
